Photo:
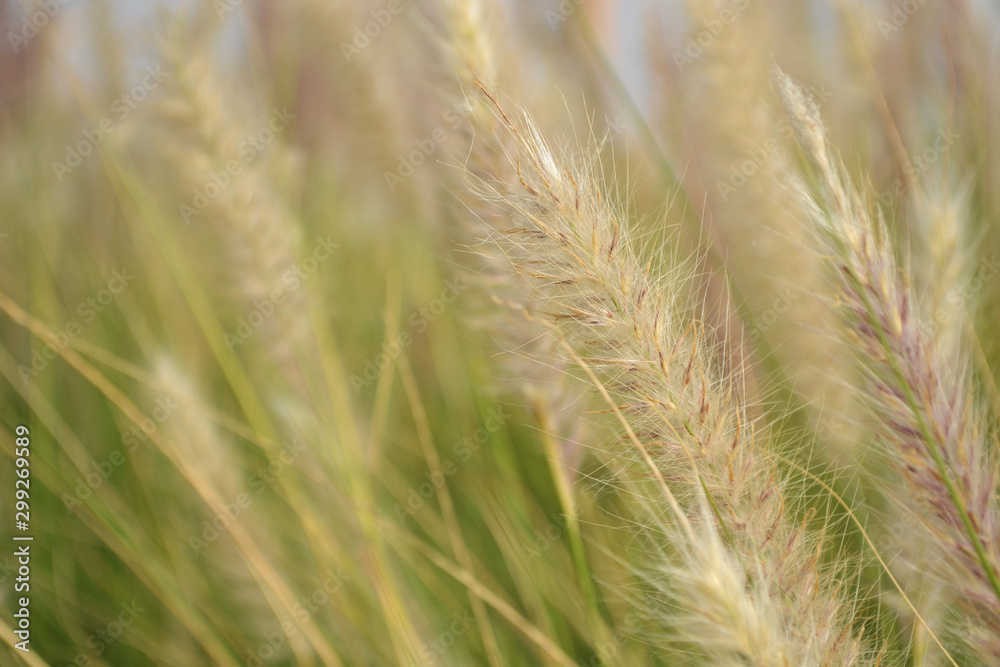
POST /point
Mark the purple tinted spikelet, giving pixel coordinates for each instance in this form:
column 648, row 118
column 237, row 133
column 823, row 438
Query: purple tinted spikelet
column 919, row 392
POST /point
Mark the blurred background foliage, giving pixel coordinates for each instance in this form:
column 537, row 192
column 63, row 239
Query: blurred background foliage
column 358, row 479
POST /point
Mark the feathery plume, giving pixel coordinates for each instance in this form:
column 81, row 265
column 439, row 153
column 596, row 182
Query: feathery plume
column 231, row 204
column 466, row 39
column 571, row 250
column 944, row 253
column 733, row 624
column 926, row 409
